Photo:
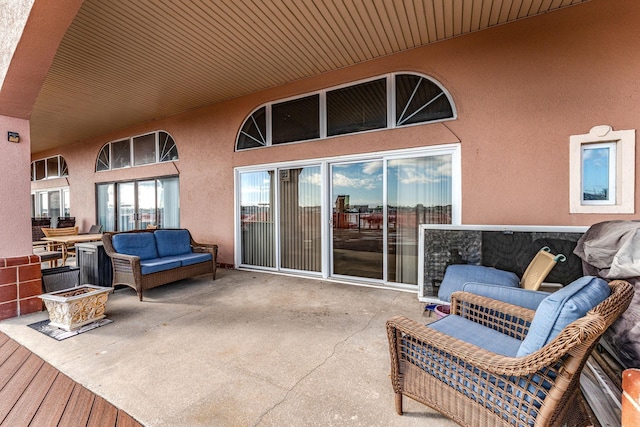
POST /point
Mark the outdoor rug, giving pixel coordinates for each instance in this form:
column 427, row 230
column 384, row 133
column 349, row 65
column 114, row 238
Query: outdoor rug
column 61, row 334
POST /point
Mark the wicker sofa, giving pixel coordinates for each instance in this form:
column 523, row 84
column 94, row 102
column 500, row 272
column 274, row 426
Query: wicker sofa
column 143, row 259
column 505, row 356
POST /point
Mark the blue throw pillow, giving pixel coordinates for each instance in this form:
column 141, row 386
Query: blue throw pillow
column 142, row 245
column 173, row 242
column 457, row 275
column 561, row 308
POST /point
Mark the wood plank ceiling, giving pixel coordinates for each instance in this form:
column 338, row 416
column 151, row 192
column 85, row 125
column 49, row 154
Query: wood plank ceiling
column 124, row 62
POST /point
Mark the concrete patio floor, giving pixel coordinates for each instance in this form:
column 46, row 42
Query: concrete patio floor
column 249, row 349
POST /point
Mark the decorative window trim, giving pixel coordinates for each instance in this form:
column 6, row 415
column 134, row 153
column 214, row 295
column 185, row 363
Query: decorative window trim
column 622, row 168
column 163, row 151
column 63, row 169
column 262, row 127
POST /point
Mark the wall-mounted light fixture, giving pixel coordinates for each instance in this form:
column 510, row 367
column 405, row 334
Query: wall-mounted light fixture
column 13, row 137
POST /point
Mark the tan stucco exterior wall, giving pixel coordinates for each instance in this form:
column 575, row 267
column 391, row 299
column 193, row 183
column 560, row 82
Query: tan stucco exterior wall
column 520, row 91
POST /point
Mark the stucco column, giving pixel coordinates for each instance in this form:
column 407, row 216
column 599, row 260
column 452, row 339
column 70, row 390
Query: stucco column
column 30, row 34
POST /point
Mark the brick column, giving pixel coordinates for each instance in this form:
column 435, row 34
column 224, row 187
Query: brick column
column 20, row 285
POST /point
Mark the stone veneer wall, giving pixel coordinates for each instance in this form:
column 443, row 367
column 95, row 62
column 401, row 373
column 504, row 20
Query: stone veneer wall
column 20, row 285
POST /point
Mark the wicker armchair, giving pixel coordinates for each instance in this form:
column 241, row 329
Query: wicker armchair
column 476, row 387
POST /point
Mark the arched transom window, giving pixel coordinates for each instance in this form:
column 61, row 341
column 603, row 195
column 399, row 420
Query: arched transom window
column 384, row 102
column 154, row 147
column 51, row 167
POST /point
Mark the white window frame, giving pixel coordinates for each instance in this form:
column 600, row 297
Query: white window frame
column 621, row 170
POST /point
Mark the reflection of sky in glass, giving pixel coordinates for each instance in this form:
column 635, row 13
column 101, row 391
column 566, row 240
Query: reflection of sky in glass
column 310, row 191
column 595, row 170
column 254, row 188
column 425, row 180
column 362, row 182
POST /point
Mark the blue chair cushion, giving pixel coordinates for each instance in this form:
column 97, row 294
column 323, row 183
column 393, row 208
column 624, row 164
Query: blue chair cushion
column 476, row 334
column 142, row 245
column 457, row 275
column 158, row 264
column 173, row 242
column 516, row 296
column 561, row 308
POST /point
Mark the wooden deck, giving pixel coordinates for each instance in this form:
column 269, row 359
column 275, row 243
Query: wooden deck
column 34, row 393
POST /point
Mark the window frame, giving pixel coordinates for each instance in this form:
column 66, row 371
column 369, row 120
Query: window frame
column 107, row 149
column 63, row 168
column 621, row 171
column 390, row 101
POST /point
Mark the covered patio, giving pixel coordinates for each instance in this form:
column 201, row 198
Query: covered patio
column 250, row 349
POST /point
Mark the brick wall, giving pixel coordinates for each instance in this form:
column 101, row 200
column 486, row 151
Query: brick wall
column 20, row 285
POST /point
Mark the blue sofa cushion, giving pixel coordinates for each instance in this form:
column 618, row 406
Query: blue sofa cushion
column 457, row 275
column 476, row 334
column 189, row 259
column 156, row 265
column 516, row 296
column 173, row 242
column 561, row 308
column 194, row 258
column 142, row 245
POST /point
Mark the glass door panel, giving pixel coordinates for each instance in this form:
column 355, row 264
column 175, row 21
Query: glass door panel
column 256, row 218
column 358, row 229
column 168, row 203
column 300, row 216
column 106, row 206
column 419, row 191
column 145, row 204
column 126, row 206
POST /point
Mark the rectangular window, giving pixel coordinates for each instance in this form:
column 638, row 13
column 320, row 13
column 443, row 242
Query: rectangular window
column 296, row 120
column 602, row 171
column 357, row 108
column 121, row 154
column 40, row 170
column 144, row 149
column 598, row 174
column 52, row 167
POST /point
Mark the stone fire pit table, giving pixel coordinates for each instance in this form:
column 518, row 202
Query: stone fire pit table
column 69, row 309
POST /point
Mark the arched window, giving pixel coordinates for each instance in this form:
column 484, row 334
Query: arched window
column 51, row 167
column 384, row 102
column 154, row 147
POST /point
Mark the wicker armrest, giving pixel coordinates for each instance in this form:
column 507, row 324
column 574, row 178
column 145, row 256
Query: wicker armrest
column 405, row 333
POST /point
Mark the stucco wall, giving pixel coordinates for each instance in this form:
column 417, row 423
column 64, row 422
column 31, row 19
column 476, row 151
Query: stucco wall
column 520, row 90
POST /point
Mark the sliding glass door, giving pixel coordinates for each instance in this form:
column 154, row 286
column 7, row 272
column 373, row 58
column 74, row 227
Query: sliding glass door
column 357, row 219
column 357, row 224
column 134, row 205
column 297, row 218
column 419, row 191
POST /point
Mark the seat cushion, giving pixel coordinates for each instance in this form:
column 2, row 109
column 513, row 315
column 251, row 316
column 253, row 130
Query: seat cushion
column 158, row 264
column 457, row 275
column 142, row 245
column 476, row 334
column 194, row 258
column 173, row 242
column 561, row 308
column 189, row 259
column 516, row 296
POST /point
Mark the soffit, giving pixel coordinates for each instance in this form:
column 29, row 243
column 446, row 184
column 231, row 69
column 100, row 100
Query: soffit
column 124, row 62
